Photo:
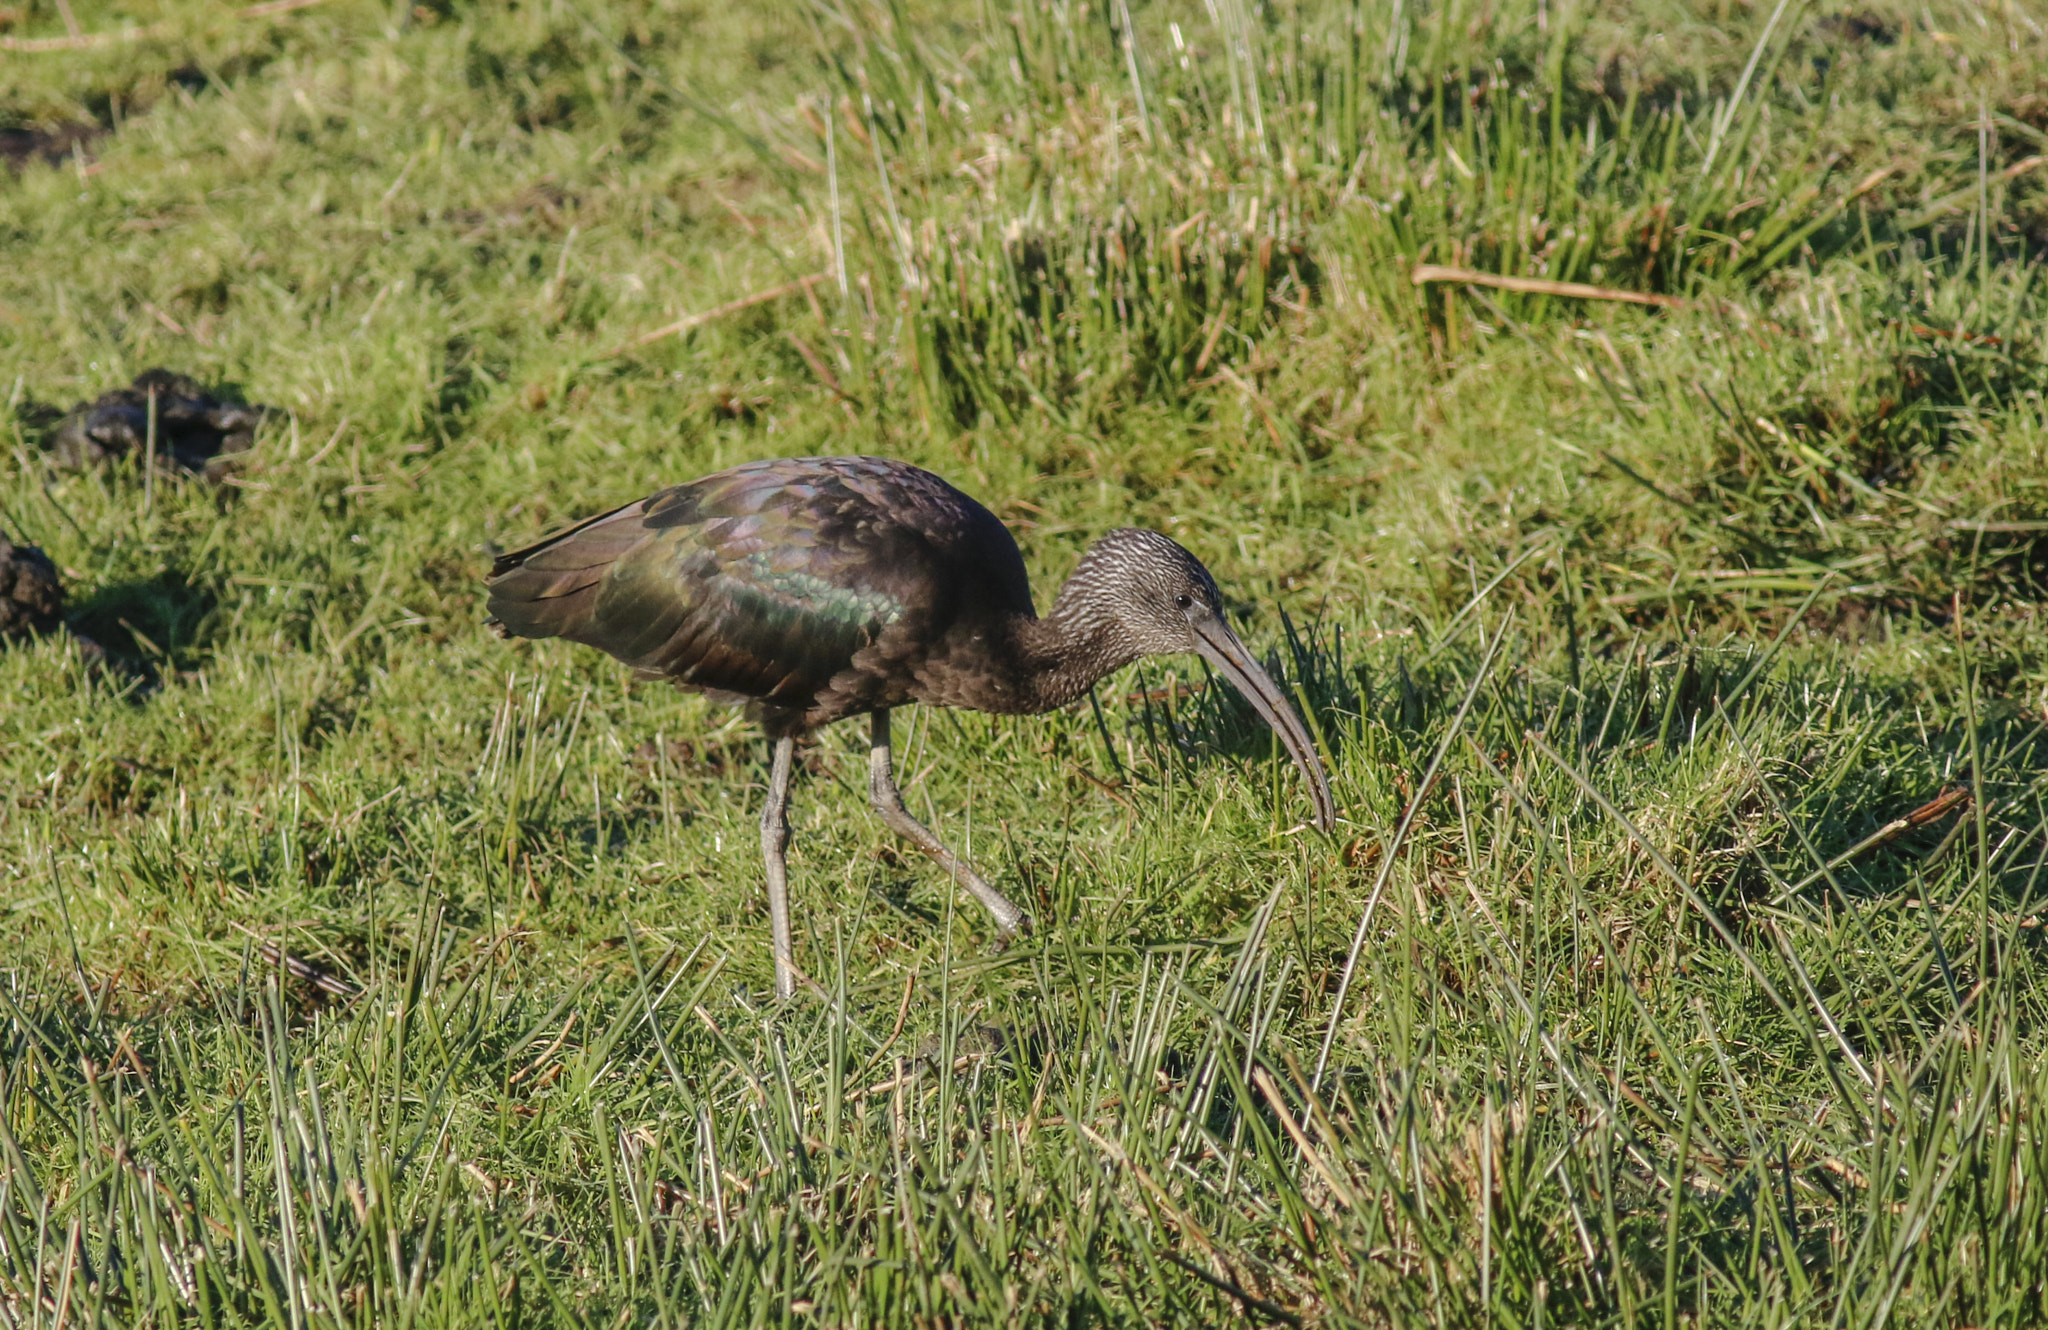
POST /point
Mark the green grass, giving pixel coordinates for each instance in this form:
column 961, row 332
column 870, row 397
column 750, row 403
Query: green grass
column 359, row 968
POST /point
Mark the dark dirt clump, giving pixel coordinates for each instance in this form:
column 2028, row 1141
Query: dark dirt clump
column 31, row 596
column 196, row 431
column 19, row 147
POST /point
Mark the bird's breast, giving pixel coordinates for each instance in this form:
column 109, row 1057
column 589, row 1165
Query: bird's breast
column 974, row 669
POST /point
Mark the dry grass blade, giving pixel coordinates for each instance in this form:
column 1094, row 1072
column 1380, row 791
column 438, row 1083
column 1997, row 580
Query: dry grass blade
column 1425, row 273
column 823, row 372
column 1948, row 801
column 687, row 322
column 311, row 972
column 1264, row 1080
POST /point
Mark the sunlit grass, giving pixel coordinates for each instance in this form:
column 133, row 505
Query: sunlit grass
column 1682, row 672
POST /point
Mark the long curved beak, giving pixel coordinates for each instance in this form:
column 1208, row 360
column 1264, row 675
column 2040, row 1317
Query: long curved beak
column 1233, row 660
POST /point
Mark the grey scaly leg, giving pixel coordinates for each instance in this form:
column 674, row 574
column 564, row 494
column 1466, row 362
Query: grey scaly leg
column 774, row 840
column 888, row 802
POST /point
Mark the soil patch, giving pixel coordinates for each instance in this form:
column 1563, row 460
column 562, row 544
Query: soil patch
column 31, row 594
column 19, row 147
column 198, row 430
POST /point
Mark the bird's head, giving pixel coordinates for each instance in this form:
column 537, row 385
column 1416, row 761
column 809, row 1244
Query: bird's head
column 1141, row 594
column 1145, row 592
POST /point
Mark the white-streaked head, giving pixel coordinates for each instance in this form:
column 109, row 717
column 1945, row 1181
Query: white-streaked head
column 1138, row 593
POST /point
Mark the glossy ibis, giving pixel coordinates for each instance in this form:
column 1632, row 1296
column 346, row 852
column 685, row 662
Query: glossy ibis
column 816, row 588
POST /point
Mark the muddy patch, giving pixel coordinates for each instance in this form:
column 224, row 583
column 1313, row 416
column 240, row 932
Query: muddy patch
column 197, row 430
column 21, row 146
column 31, row 594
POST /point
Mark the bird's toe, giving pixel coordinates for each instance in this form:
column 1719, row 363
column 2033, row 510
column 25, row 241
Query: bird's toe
column 1007, row 933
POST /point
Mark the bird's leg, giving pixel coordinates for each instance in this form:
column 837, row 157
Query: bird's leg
column 774, row 840
column 888, row 802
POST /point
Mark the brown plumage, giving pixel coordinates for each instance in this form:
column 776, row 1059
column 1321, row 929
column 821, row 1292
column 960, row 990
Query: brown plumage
column 812, row 589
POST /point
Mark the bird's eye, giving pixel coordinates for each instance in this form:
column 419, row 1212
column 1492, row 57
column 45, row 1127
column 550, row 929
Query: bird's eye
column 1184, row 600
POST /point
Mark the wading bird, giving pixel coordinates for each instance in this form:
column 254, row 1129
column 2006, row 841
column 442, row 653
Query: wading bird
column 815, row 588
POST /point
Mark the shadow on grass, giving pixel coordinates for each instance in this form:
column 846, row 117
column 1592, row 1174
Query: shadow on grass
column 155, row 624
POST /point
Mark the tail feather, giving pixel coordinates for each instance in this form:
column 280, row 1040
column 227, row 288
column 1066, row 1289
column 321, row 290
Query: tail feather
column 550, row 589
column 518, row 612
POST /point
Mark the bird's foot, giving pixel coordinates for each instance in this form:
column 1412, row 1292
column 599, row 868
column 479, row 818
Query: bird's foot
column 1011, row 931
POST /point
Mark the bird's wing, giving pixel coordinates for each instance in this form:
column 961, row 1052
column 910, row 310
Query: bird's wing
column 763, row 581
